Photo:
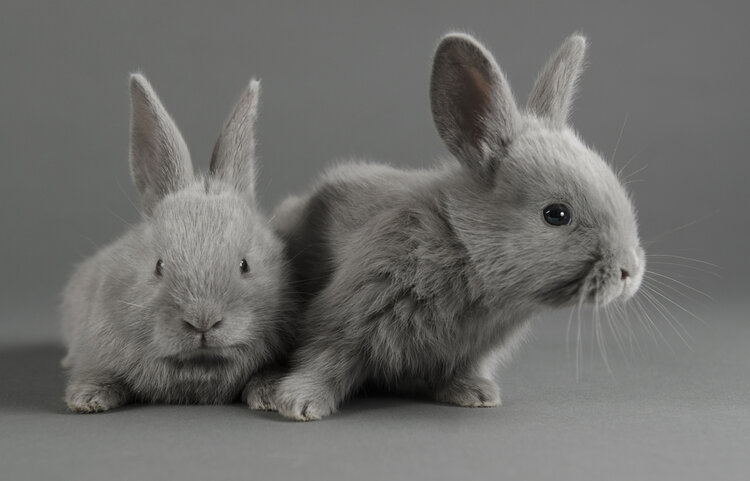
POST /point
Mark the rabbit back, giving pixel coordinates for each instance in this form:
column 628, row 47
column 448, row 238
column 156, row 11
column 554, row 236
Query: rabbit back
column 317, row 225
column 391, row 278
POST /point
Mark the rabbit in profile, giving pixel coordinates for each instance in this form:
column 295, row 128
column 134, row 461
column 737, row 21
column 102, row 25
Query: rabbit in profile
column 433, row 274
column 191, row 301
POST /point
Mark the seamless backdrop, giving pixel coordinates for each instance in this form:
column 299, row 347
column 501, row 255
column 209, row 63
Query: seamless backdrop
column 665, row 93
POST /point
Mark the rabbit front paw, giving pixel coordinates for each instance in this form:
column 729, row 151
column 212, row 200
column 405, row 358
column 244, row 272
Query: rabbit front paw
column 470, row 392
column 304, row 402
column 92, row 398
column 260, row 393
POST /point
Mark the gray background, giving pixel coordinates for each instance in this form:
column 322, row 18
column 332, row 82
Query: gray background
column 341, row 81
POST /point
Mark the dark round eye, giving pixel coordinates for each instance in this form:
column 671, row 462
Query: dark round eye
column 159, row 267
column 557, row 214
column 244, row 268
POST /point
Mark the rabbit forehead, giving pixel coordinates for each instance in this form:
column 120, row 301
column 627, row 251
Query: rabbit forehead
column 196, row 225
column 556, row 166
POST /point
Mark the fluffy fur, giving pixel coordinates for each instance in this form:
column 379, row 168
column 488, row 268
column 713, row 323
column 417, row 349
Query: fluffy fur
column 433, row 274
column 195, row 331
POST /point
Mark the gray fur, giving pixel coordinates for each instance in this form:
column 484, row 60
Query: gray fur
column 198, row 332
column 433, row 274
column 554, row 89
column 159, row 159
column 472, row 103
column 232, row 159
column 260, row 392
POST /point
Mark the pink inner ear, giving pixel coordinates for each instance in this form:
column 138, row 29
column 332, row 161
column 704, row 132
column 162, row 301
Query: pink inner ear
column 473, row 102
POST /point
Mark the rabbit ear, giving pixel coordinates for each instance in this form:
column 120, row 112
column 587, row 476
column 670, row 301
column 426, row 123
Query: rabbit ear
column 472, row 104
column 233, row 159
column 555, row 87
column 159, row 159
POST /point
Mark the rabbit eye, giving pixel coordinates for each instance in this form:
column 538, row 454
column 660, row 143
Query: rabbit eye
column 159, row 267
column 244, row 268
column 557, row 214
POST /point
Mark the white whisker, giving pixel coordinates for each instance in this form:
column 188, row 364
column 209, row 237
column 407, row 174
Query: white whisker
column 685, row 266
column 632, row 158
column 579, row 352
column 698, row 291
column 654, row 283
column 619, row 138
column 622, row 310
column 133, row 304
column 645, row 166
column 678, row 305
column 667, row 316
column 119, row 217
column 600, row 337
column 679, row 228
column 614, row 329
column 684, row 258
column 652, row 323
column 567, row 332
column 122, row 190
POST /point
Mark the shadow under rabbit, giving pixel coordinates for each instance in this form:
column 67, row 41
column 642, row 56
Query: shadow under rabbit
column 34, row 381
column 377, row 398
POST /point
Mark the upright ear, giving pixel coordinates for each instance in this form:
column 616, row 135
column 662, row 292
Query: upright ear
column 233, row 160
column 555, row 87
column 472, row 104
column 159, row 159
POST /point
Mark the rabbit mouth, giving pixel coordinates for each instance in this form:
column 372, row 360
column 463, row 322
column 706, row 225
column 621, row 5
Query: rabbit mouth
column 596, row 283
column 206, row 357
column 569, row 290
column 606, row 285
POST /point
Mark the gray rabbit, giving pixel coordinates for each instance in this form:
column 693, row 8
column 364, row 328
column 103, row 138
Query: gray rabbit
column 191, row 301
column 433, row 274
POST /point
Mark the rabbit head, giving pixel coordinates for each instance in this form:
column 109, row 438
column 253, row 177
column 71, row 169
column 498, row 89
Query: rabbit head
column 541, row 214
column 213, row 266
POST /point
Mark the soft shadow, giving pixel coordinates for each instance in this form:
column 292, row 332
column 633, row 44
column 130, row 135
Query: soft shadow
column 32, row 379
column 373, row 397
column 369, row 398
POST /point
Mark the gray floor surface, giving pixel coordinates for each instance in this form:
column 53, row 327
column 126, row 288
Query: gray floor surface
column 665, row 411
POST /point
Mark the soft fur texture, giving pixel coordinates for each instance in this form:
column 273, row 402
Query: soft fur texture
column 434, row 274
column 197, row 331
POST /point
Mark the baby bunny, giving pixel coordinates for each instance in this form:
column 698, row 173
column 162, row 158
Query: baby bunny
column 190, row 302
column 433, row 274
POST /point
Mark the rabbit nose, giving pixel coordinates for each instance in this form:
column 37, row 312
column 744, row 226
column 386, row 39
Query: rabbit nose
column 202, row 325
column 624, row 274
